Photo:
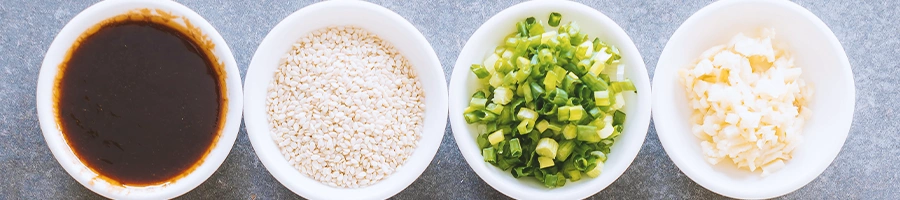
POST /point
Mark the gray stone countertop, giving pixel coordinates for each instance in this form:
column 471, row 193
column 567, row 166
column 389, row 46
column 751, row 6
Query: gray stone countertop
column 868, row 166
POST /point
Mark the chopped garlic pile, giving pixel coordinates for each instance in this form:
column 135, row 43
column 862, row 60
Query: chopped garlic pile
column 749, row 103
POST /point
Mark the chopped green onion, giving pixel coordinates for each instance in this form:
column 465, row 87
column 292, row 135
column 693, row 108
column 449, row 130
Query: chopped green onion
column 523, row 63
column 618, row 118
column 550, row 81
column 570, row 131
column 521, row 172
column 536, row 29
column 521, row 48
column 569, row 82
column 560, row 73
column 478, row 100
column 548, row 108
column 581, row 164
column 494, row 108
column 552, row 40
column 576, row 113
column 564, row 38
column 510, row 79
column 482, row 140
column 606, row 131
column 496, row 80
column 534, row 41
column 480, row 71
column 558, row 96
column 572, row 68
column 515, row 149
column 565, row 148
column 619, row 86
column 536, row 89
column 515, row 105
column 542, row 126
column 595, row 112
column 547, row 147
column 490, row 62
column 619, row 101
column 480, row 116
column 534, row 136
column 595, row 171
column 555, row 17
column 550, row 180
column 545, row 55
column 560, row 179
column 522, row 28
column 503, row 66
column 555, row 127
column 588, row 133
column 525, row 126
column 574, row 32
column 614, row 51
column 502, row 95
column 595, row 84
column 524, row 71
column 508, row 52
column 577, row 39
column 574, row 175
column 500, row 49
column 601, row 98
column 599, row 155
column 526, row 114
column 496, row 137
column 597, row 66
column 545, row 162
column 507, row 115
column 617, row 129
column 583, row 66
column 562, row 113
column 511, row 42
column 489, row 155
column 526, row 92
column 548, row 39
column 585, row 50
column 545, row 96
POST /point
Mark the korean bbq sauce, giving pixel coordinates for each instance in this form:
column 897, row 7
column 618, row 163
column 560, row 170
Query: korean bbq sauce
column 140, row 102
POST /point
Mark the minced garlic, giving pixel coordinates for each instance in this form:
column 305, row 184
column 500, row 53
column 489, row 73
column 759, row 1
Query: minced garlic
column 749, row 103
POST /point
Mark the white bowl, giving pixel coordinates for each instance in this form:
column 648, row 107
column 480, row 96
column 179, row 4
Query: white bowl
column 61, row 150
column 490, row 35
column 815, row 49
column 389, row 26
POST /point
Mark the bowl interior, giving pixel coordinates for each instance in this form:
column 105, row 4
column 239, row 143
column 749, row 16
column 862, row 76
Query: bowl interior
column 490, row 35
column 63, row 153
column 390, row 27
column 815, row 50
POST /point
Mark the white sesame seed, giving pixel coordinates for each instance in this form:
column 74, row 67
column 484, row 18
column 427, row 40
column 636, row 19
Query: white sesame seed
column 346, row 107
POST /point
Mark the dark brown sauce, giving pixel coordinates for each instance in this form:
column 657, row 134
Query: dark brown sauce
column 140, row 102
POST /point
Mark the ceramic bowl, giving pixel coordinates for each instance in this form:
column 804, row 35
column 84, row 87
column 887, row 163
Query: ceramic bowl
column 463, row 84
column 389, row 26
column 50, row 125
column 815, row 49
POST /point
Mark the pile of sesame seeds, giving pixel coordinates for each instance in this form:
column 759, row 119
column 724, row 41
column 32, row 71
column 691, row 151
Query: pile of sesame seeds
column 345, row 107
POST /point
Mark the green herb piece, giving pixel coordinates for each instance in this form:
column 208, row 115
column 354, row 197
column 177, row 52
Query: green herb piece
column 555, row 17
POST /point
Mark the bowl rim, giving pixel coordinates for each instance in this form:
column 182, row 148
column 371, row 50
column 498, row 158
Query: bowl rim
column 664, row 130
column 257, row 123
column 62, row 151
column 472, row 154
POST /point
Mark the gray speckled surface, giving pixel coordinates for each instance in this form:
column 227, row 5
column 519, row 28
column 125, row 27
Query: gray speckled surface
column 867, row 167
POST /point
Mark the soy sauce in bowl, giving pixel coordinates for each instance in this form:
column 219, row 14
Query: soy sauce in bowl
column 140, row 101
